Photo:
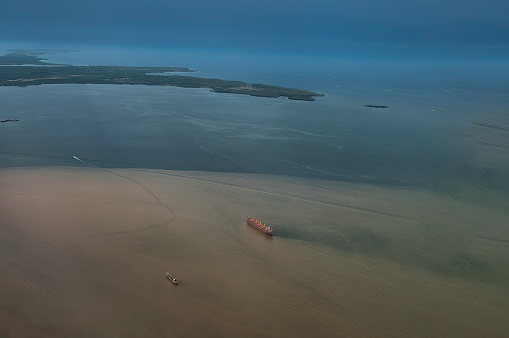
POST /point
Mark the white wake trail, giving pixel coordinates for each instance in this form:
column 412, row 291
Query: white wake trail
column 173, row 215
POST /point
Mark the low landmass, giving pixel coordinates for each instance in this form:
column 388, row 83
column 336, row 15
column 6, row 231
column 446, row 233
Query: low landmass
column 10, row 120
column 374, row 106
column 29, row 69
column 29, row 57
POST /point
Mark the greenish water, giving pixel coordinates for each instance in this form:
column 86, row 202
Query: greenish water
column 430, row 106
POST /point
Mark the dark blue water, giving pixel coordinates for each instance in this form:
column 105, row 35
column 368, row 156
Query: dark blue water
column 431, row 103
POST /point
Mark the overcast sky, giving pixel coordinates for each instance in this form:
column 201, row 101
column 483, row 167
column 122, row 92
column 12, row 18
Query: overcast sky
column 264, row 24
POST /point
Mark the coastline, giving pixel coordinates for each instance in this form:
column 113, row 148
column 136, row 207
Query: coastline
column 31, row 70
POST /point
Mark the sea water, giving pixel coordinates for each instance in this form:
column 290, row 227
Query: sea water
column 430, row 104
column 383, row 253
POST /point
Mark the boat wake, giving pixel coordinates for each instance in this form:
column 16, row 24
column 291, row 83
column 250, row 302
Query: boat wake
column 172, row 213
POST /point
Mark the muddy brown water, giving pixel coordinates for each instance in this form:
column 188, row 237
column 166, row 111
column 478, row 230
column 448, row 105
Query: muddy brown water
column 83, row 253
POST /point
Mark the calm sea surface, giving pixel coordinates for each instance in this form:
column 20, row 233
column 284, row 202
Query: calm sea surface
column 335, row 137
column 414, row 243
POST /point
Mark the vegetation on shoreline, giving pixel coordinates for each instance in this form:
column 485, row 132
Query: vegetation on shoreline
column 29, row 70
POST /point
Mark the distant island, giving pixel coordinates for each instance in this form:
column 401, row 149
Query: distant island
column 23, row 68
column 10, row 120
column 374, row 106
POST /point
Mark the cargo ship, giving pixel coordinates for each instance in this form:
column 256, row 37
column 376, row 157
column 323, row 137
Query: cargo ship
column 173, row 280
column 266, row 229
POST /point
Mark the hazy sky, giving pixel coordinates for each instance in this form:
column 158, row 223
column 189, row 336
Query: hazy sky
column 259, row 24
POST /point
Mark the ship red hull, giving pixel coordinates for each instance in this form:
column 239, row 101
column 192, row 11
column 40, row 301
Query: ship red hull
column 258, row 226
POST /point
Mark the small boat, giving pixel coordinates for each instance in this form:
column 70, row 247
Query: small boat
column 266, row 229
column 173, row 280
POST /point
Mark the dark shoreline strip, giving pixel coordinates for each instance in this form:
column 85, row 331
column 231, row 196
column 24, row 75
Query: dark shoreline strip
column 24, row 76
